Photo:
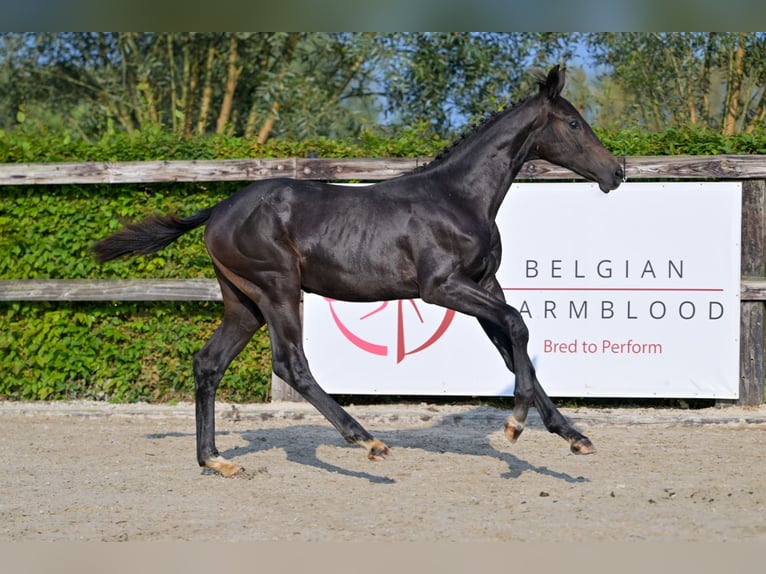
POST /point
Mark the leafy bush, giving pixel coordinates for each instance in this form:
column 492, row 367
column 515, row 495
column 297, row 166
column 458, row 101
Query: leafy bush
column 688, row 140
column 21, row 146
column 143, row 351
column 121, row 352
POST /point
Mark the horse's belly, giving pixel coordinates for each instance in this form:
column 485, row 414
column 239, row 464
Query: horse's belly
column 359, row 285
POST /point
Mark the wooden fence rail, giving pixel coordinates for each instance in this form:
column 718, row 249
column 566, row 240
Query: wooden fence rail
column 752, row 289
column 750, row 169
column 644, row 167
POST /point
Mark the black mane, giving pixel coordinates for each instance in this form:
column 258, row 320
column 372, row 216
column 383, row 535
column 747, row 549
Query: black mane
column 467, row 135
column 473, row 129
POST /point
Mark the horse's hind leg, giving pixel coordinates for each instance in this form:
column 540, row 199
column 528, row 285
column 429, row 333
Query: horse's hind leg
column 289, row 363
column 240, row 321
column 282, row 310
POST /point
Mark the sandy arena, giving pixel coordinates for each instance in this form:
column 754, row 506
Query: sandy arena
column 94, row 471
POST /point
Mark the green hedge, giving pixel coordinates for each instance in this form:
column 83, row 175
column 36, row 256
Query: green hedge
column 118, row 351
column 114, row 351
column 22, row 146
column 143, row 351
column 128, row 351
column 690, row 140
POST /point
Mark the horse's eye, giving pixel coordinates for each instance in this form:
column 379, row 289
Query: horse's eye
column 574, row 124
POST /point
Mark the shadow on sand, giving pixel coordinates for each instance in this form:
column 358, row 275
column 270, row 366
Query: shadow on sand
column 459, row 437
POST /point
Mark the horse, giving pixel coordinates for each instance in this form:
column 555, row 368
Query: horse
column 428, row 234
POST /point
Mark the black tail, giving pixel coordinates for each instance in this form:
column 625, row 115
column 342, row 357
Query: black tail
column 147, row 236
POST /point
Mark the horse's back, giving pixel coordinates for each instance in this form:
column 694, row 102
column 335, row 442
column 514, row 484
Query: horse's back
column 346, row 242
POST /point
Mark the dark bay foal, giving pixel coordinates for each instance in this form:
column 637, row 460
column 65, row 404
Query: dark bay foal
column 429, row 234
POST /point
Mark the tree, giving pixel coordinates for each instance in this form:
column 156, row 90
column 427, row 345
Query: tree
column 445, row 78
column 190, row 82
column 263, row 85
column 703, row 78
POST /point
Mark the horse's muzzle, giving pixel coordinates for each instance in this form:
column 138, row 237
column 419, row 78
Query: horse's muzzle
column 618, row 176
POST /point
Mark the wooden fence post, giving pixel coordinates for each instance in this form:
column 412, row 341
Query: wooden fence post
column 751, row 360
column 282, row 392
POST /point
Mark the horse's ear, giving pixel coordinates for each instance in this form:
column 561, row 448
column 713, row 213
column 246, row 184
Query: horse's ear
column 554, row 83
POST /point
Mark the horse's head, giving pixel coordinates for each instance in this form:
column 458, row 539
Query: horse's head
column 566, row 139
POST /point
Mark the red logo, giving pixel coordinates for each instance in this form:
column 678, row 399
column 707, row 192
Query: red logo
column 348, row 327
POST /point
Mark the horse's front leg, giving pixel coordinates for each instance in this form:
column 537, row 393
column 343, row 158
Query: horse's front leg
column 514, row 424
column 552, row 418
column 528, row 389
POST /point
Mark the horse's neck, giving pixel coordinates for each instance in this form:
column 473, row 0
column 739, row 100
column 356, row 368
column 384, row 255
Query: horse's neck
column 481, row 170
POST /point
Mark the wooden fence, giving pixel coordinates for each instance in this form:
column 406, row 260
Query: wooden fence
column 749, row 169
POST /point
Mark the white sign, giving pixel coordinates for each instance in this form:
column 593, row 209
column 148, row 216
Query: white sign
column 630, row 294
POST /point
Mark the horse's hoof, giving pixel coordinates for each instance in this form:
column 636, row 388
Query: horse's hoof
column 223, row 467
column 376, row 450
column 513, row 429
column 582, row 446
